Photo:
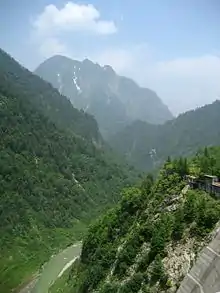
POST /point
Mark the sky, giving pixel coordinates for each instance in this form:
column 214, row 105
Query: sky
column 169, row 46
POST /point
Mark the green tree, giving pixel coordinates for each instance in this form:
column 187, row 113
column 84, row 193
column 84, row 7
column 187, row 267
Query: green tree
column 178, row 226
column 110, row 288
column 147, row 184
column 157, row 273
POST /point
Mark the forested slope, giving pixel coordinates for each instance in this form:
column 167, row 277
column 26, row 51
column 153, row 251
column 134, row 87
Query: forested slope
column 53, row 177
column 147, row 146
column 152, row 238
column 23, row 83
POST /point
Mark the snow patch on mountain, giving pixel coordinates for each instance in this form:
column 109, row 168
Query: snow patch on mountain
column 59, row 80
column 75, row 82
column 77, row 86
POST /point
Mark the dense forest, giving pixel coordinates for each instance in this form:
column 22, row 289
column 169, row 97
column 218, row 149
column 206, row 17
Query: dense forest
column 18, row 81
column 147, row 146
column 156, row 230
column 55, row 175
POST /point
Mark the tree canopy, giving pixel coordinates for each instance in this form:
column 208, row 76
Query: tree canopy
column 55, row 176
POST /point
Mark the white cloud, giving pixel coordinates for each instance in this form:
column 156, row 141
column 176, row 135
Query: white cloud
column 54, row 26
column 188, row 83
column 72, row 17
column 182, row 83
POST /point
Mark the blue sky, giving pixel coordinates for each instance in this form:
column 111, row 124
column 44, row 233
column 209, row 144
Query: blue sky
column 171, row 46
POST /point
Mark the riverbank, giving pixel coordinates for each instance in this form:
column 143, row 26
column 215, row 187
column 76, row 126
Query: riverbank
column 53, row 269
column 55, row 266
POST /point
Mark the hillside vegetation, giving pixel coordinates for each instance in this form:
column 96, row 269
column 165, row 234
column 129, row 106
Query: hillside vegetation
column 26, row 85
column 151, row 239
column 55, row 177
column 147, row 146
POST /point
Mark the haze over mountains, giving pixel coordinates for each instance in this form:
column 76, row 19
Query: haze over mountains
column 58, row 173
column 94, row 162
column 115, row 101
column 131, row 118
column 147, row 146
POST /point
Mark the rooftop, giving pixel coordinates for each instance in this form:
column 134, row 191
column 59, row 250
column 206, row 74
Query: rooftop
column 210, row 176
column 216, row 184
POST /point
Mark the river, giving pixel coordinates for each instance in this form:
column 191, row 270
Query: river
column 53, row 269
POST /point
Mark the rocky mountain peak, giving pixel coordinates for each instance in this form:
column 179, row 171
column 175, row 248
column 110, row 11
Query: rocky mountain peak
column 87, row 83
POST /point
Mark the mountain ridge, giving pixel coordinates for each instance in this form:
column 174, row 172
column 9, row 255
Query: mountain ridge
column 147, row 146
column 114, row 100
column 47, row 99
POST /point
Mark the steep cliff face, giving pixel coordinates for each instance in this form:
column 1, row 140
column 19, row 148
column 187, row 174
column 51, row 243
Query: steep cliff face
column 149, row 242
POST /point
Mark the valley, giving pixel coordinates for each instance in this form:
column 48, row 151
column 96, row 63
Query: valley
column 56, row 267
column 109, row 146
column 52, row 270
column 147, row 146
column 56, row 176
column 100, row 203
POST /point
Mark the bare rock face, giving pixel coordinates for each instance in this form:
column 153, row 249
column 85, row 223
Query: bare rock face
column 179, row 260
column 115, row 101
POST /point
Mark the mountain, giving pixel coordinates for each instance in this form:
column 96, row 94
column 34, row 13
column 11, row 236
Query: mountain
column 147, row 146
column 46, row 99
column 113, row 100
column 149, row 242
column 55, row 174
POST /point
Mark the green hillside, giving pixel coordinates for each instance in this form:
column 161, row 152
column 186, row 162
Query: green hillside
column 147, row 146
column 21, row 82
column 148, row 241
column 55, row 175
